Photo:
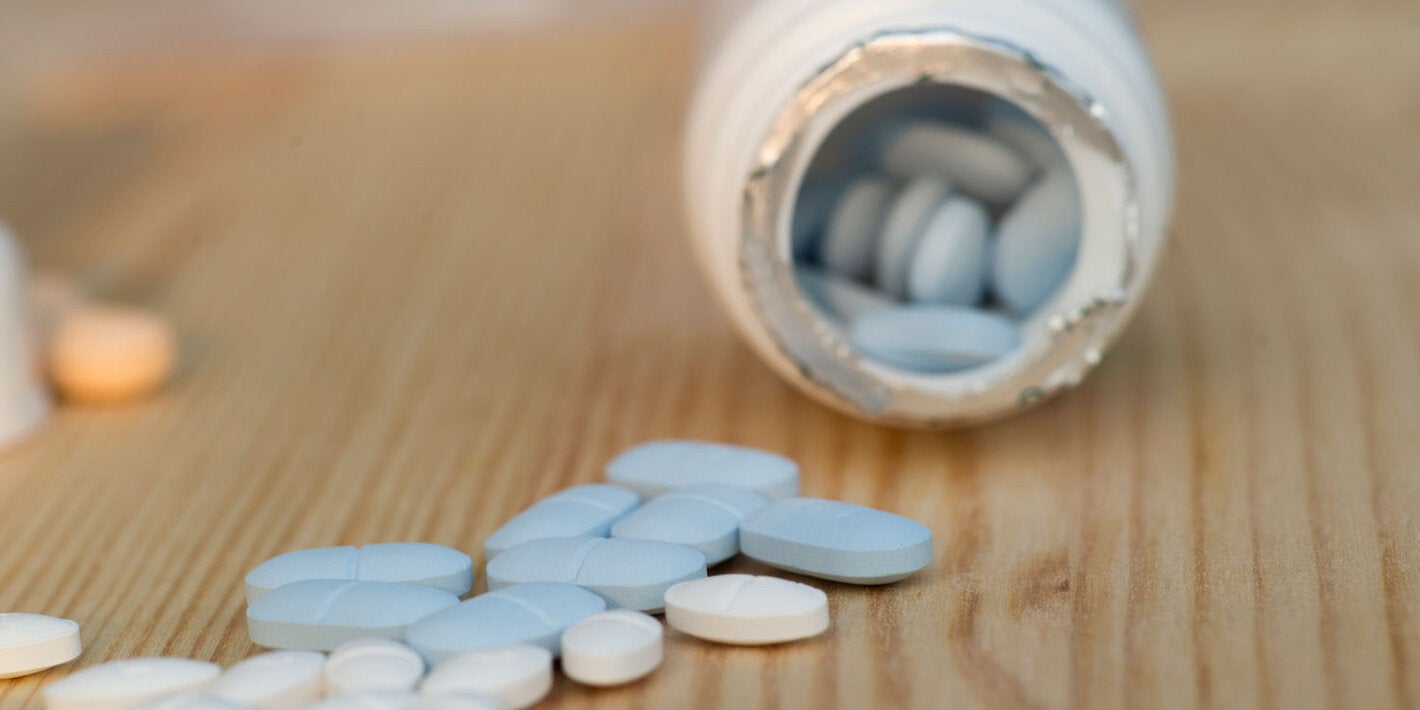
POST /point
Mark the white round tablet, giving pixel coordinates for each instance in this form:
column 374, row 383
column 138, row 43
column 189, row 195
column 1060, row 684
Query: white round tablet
column 458, row 701
column 407, row 700
column 519, row 676
column 124, row 684
column 378, row 700
column 30, row 643
column 373, row 664
column 279, row 680
column 747, row 610
column 612, row 648
column 193, row 701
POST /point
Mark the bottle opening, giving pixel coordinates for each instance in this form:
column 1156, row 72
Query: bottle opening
column 938, row 229
column 932, row 225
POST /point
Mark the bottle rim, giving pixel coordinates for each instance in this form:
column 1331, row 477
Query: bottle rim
column 1061, row 342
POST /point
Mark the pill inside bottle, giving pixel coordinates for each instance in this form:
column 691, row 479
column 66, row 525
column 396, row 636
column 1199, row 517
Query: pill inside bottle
column 929, row 213
column 931, row 224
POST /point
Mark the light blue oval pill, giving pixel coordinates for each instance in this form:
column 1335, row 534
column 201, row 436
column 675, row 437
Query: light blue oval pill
column 933, row 339
column 838, row 541
column 907, row 221
column 415, row 562
column 841, row 299
column 1036, row 242
column 949, row 264
column 535, row 613
column 705, row 517
column 850, row 240
column 629, row 574
column 320, row 614
column 659, row 467
column 970, row 160
column 579, row 511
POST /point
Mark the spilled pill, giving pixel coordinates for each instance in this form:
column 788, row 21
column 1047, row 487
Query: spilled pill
column 372, row 664
column 659, row 467
column 629, row 574
column 534, row 613
column 850, row 241
column 706, row 517
column 30, row 643
column 387, row 700
column 1036, row 242
column 907, row 221
column 976, row 164
column 835, row 540
column 459, row 701
column 124, row 684
column 949, row 265
column 105, row 354
column 612, row 648
column 321, row 614
column 368, row 701
column 579, row 511
column 747, row 610
column 934, row 338
column 191, row 701
column 277, row 680
column 840, row 298
column 519, row 676
column 414, row 562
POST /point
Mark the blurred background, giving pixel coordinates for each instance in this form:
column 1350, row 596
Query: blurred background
column 427, row 262
column 113, row 82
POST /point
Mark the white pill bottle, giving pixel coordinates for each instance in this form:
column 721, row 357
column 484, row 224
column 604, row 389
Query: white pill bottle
column 790, row 84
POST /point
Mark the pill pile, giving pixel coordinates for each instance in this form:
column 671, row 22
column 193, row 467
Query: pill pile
column 576, row 577
column 952, row 234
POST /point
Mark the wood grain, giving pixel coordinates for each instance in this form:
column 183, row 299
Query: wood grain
column 421, row 287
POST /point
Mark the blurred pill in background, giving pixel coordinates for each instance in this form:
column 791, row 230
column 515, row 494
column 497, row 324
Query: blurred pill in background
column 106, row 354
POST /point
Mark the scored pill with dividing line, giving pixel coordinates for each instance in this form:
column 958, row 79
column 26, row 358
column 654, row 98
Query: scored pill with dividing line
column 414, row 562
column 321, row 614
column 747, row 610
column 656, row 468
column 534, row 613
column 579, row 511
column 705, row 517
column 629, row 574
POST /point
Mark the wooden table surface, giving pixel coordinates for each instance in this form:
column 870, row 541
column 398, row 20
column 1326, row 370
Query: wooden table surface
column 421, row 287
